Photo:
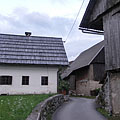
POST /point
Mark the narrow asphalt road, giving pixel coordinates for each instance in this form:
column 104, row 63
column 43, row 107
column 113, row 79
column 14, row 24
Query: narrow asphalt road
column 78, row 109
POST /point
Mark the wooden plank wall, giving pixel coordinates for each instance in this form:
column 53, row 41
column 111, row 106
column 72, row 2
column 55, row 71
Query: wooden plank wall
column 100, row 58
column 101, row 6
column 99, row 66
column 111, row 23
column 99, row 71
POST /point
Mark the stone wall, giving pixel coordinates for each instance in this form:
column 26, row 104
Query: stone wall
column 94, row 85
column 106, row 94
column 103, row 99
column 83, row 87
column 109, row 97
column 115, row 92
column 47, row 107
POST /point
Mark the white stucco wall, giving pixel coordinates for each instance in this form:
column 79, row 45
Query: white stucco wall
column 34, row 74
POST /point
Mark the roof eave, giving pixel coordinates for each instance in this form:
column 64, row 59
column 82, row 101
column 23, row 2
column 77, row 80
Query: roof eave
column 97, row 22
column 87, row 12
column 95, row 26
column 34, row 64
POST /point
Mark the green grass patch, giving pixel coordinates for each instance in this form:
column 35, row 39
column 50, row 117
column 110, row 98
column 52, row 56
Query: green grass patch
column 114, row 118
column 103, row 112
column 20, row 106
column 106, row 114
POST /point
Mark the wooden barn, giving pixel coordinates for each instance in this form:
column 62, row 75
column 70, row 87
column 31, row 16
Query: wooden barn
column 103, row 16
column 85, row 73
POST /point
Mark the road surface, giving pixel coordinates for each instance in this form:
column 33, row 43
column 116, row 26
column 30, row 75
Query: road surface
column 78, row 109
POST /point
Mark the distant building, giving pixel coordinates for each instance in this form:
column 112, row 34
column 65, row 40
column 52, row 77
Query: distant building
column 85, row 73
column 29, row 64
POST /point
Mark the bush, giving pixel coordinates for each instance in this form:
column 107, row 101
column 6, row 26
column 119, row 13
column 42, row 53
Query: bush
column 63, row 85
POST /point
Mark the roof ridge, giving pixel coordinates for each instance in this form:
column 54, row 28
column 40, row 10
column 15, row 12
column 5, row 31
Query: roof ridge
column 92, row 46
column 30, row 36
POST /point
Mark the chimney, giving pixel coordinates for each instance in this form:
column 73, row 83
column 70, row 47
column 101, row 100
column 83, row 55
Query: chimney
column 28, row 34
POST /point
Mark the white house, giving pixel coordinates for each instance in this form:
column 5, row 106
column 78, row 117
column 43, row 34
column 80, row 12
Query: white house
column 30, row 64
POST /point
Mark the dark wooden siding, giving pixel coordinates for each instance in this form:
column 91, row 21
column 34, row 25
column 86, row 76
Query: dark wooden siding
column 91, row 75
column 99, row 71
column 93, row 72
column 100, row 58
column 95, row 11
column 102, row 6
column 99, row 66
column 112, row 38
column 72, row 82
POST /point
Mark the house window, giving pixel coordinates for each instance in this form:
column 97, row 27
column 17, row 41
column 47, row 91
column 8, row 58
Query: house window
column 25, row 80
column 44, row 80
column 5, row 80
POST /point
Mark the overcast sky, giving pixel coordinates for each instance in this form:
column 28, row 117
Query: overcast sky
column 47, row 18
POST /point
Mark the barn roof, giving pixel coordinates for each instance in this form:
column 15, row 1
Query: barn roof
column 84, row 23
column 18, row 49
column 84, row 59
column 92, row 18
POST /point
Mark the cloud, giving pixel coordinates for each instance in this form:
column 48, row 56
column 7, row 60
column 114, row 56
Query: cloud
column 79, row 43
column 21, row 20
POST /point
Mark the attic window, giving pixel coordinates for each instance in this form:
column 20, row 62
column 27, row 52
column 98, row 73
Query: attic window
column 25, row 80
column 5, row 80
column 44, row 80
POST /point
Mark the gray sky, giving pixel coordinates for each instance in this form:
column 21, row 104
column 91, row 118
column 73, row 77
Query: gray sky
column 47, row 18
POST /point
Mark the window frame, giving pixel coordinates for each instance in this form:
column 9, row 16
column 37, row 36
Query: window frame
column 25, row 80
column 44, row 80
column 6, row 80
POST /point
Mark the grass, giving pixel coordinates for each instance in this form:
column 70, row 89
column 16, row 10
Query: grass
column 105, row 113
column 114, row 118
column 20, row 106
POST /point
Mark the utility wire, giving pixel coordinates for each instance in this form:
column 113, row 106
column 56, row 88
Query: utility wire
column 74, row 21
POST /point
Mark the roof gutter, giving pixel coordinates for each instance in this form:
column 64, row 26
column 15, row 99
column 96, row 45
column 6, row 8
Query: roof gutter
column 91, row 31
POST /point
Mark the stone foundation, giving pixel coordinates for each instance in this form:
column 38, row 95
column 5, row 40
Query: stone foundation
column 83, row 87
column 103, row 99
column 115, row 92
column 109, row 97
